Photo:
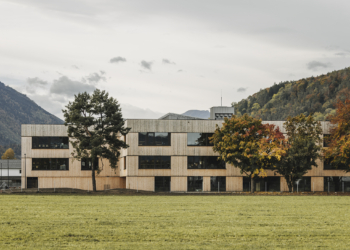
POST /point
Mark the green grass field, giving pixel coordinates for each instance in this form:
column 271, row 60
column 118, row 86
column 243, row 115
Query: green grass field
column 174, row 222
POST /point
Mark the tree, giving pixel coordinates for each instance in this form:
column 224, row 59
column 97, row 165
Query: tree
column 248, row 144
column 338, row 151
column 302, row 146
column 94, row 123
column 9, row 153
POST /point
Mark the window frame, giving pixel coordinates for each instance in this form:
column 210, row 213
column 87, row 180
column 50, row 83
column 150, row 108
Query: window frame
column 204, row 168
column 208, row 144
column 48, row 142
column 81, row 162
column 50, row 159
column 154, row 161
column 153, row 144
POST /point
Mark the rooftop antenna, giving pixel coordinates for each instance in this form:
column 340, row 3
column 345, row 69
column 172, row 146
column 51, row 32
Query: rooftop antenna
column 221, row 98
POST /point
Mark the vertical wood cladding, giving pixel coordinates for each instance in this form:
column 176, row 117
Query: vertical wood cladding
column 143, row 179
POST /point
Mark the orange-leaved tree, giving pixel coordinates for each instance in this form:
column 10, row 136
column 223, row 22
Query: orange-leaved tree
column 249, row 145
column 338, row 151
column 9, row 154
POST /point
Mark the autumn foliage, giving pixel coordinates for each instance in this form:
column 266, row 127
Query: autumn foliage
column 338, row 151
column 9, row 154
column 248, row 144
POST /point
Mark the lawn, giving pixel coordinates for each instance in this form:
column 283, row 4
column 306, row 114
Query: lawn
column 174, row 222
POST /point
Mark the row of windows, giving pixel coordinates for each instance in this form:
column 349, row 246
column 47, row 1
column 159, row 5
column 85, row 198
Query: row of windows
column 146, row 162
column 164, row 139
column 145, row 139
column 194, row 183
column 59, row 164
column 50, row 143
column 193, row 162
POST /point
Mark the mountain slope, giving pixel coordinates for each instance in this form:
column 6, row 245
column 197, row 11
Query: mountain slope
column 17, row 109
column 204, row 114
column 313, row 95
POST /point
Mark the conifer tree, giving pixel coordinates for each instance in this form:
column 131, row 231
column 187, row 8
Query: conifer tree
column 94, row 123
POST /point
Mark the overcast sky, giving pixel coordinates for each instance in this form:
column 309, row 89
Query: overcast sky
column 159, row 56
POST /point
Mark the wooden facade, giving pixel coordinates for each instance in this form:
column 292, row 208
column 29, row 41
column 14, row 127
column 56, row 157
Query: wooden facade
column 129, row 176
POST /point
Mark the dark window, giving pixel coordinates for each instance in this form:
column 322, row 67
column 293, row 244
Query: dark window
column 199, row 139
column 50, row 143
column 267, row 184
column 303, row 186
column 154, row 139
column 326, row 138
column 217, row 183
column 337, row 184
column 50, row 164
column 86, row 163
column 125, row 162
column 204, row 162
column 154, row 162
column 32, row 182
column 162, row 184
column 327, row 165
column 194, row 183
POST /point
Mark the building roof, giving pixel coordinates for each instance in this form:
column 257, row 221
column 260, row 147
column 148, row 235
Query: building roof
column 12, row 164
column 173, row 116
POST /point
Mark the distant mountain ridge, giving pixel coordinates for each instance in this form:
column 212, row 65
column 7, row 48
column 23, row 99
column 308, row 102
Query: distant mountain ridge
column 204, row 114
column 17, row 109
column 313, row 95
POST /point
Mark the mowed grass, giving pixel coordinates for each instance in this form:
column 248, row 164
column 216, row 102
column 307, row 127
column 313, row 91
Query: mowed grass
column 174, row 222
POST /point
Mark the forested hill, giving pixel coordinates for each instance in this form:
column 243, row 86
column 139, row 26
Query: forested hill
column 314, row 95
column 17, row 109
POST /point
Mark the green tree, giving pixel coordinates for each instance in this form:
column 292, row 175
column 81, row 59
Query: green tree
column 338, row 150
column 303, row 148
column 94, row 123
column 248, row 144
column 9, row 153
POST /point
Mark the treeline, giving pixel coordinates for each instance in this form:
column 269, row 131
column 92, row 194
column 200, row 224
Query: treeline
column 313, row 95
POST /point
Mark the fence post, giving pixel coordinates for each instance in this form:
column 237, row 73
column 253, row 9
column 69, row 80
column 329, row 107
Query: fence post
column 219, row 187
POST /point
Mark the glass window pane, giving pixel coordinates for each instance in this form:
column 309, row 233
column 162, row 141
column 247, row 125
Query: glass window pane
column 192, row 139
column 194, row 183
column 150, row 139
column 217, row 183
column 142, row 139
column 162, row 184
column 50, row 164
column 162, row 139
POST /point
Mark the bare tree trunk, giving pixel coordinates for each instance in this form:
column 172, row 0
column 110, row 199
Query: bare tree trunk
column 93, row 176
column 252, row 186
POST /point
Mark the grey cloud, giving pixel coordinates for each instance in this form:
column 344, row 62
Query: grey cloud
column 242, row 89
column 117, row 59
column 67, row 87
column 95, row 77
column 166, row 61
column 314, row 65
column 179, row 71
column 75, row 67
column 146, row 65
column 35, row 83
column 342, row 53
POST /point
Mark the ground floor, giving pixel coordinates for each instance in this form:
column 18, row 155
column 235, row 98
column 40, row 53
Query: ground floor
column 192, row 183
